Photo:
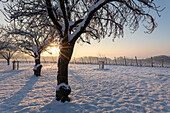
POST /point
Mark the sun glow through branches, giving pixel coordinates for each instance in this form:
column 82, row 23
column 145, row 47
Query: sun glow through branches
column 54, row 48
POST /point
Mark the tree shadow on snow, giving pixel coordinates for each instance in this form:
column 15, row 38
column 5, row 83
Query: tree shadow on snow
column 101, row 69
column 13, row 102
column 11, row 73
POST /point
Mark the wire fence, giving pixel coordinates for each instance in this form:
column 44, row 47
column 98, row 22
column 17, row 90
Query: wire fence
column 121, row 61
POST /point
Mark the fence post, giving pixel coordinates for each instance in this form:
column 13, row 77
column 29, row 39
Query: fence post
column 82, row 60
column 115, row 61
column 74, row 60
column 109, row 62
column 44, row 60
column 125, row 60
column 17, row 65
column 140, row 62
column 97, row 60
column 101, row 64
column 136, row 61
column 90, row 59
column 53, row 59
column 151, row 61
column 25, row 60
column 162, row 62
column 131, row 62
column 106, row 60
column 14, row 65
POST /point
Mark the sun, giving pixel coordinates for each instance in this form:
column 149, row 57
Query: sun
column 54, row 49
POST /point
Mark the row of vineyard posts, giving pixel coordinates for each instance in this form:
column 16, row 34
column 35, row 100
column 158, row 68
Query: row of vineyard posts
column 121, row 61
column 150, row 62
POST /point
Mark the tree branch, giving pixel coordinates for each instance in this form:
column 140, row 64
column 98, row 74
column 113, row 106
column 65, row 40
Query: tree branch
column 73, row 37
column 53, row 17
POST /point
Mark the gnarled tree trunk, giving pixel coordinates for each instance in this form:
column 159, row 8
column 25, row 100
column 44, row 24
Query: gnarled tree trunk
column 63, row 89
column 8, row 61
column 37, row 66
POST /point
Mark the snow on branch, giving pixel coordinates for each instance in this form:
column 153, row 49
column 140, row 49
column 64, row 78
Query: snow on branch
column 95, row 19
column 18, row 14
column 87, row 19
column 53, row 17
column 36, row 66
column 118, row 14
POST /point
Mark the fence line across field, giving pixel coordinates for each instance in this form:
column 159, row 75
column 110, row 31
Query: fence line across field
column 123, row 61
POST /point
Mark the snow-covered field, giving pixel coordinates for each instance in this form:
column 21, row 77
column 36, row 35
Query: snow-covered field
column 114, row 89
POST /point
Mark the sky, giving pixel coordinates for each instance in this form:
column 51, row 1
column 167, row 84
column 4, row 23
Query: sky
column 132, row 44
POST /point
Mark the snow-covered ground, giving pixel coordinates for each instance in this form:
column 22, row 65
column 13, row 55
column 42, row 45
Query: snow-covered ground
column 114, row 89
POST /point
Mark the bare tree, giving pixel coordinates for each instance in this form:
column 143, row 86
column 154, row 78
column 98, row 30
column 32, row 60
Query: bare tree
column 7, row 45
column 3, row 41
column 8, row 52
column 83, row 20
column 33, row 41
column 33, row 34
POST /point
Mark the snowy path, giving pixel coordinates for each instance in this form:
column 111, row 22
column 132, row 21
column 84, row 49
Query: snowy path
column 115, row 89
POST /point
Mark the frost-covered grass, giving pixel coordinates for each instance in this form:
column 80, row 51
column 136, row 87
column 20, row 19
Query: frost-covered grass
column 114, row 89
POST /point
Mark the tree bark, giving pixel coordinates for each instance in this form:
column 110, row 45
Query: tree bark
column 8, row 61
column 63, row 89
column 37, row 66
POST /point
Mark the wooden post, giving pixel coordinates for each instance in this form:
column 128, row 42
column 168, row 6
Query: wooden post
column 74, row 60
column 111, row 62
column 131, row 63
column 101, row 64
column 90, row 60
column 106, row 60
column 17, row 65
column 44, row 60
column 115, row 61
column 53, row 59
column 136, row 61
column 82, row 60
column 125, row 61
column 162, row 62
column 25, row 59
column 13, row 65
column 140, row 62
column 151, row 61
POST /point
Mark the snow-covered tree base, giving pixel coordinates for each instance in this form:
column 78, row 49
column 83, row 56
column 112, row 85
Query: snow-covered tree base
column 62, row 92
column 37, row 70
